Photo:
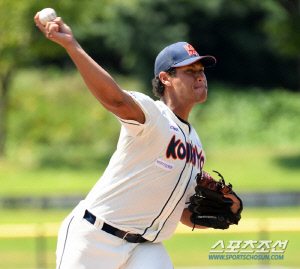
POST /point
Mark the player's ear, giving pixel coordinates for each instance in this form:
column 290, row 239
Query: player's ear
column 165, row 78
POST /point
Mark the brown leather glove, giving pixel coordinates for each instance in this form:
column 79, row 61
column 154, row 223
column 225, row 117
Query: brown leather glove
column 209, row 206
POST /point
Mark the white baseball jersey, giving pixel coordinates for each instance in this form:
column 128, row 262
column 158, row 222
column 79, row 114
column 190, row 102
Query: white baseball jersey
column 151, row 175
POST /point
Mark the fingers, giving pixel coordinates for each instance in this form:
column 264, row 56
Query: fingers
column 57, row 25
column 232, row 197
column 58, row 20
column 236, row 203
column 56, row 31
column 63, row 28
column 38, row 23
column 51, row 27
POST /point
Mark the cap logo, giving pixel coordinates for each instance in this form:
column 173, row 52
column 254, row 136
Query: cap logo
column 191, row 51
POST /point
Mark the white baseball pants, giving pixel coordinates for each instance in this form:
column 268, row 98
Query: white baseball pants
column 82, row 245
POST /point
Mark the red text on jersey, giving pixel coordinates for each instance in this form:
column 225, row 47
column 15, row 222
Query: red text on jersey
column 180, row 150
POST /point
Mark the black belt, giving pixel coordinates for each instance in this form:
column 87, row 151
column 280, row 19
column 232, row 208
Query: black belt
column 132, row 238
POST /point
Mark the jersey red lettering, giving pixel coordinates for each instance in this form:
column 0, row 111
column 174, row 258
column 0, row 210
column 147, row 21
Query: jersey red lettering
column 178, row 149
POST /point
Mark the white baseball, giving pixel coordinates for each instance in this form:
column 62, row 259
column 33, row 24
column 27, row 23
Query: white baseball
column 47, row 14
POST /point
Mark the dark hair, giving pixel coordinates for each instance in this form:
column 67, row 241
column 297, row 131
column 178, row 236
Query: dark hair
column 158, row 87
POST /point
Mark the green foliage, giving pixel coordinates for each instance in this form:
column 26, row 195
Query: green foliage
column 129, row 34
column 13, row 30
column 241, row 34
column 52, row 117
column 138, row 30
column 54, row 114
column 235, row 118
column 61, row 139
column 282, row 26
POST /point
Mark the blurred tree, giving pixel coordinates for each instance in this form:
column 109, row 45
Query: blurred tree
column 231, row 30
column 14, row 41
column 136, row 31
column 127, row 35
column 282, row 25
column 22, row 44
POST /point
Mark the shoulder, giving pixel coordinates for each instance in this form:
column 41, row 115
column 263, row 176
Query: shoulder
column 146, row 103
column 151, row 110
column 140, row 96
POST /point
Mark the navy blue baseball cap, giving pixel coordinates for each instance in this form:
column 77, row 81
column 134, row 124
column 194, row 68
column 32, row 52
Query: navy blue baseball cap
column 180, row 54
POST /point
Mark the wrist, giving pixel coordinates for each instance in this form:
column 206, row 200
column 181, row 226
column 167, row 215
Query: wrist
column 72, row 46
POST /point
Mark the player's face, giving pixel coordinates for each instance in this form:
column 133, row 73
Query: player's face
column 190, row 83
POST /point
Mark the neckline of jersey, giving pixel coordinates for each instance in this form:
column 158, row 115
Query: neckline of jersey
column 180, row 119
column 184, row 121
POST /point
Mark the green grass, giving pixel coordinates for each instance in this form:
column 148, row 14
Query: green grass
column 185, row 250
column 60, row 140
column 17, row 181
column 193, row 250
column 27, row 253
column 257, row 169
column 40, row 216
column 34, row 215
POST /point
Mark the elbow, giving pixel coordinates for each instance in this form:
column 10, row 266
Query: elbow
column 112, row 104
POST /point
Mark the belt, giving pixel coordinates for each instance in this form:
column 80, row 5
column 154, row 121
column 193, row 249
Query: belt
column 131, row 238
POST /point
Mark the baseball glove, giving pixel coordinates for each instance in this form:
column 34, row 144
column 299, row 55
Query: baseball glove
column 208, row 205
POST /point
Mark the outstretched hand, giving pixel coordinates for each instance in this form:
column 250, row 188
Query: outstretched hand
column 56, row 31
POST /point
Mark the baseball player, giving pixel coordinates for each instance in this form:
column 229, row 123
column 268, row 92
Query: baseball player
column 142, row 195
